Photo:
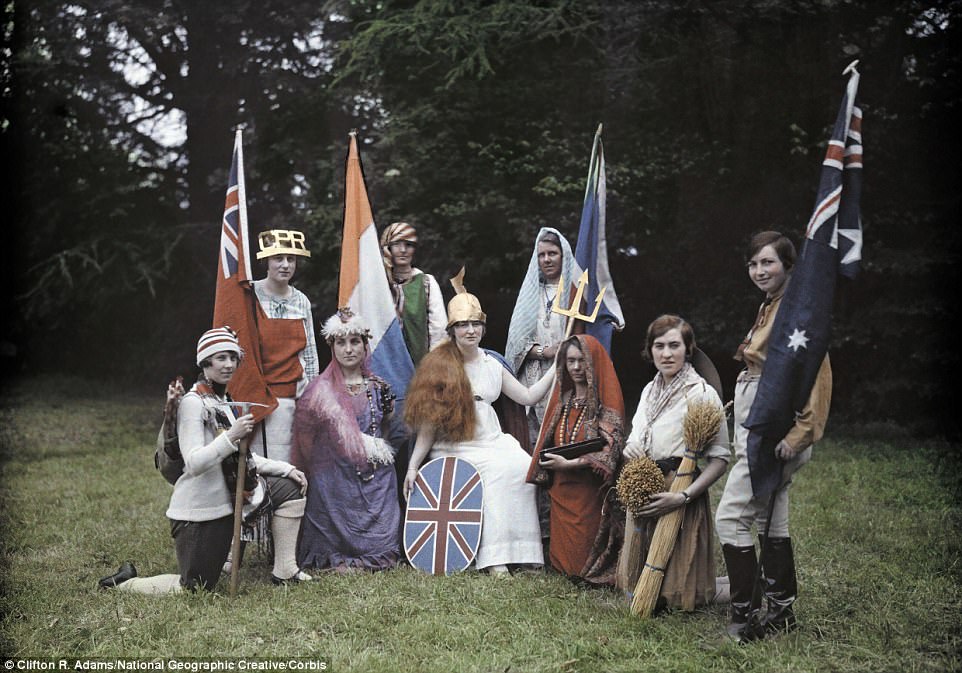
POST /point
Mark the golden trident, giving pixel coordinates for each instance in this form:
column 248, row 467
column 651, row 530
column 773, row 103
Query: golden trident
column 574, row 311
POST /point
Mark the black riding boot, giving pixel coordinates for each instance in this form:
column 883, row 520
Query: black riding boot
column 780, row 585
column 742, row 569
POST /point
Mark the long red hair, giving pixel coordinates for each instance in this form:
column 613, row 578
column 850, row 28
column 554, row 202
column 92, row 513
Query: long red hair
column 440, row 395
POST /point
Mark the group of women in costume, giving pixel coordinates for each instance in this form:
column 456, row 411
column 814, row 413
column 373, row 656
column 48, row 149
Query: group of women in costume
column 334, row 442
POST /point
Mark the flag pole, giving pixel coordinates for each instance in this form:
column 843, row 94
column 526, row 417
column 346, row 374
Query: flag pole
column 235, row 548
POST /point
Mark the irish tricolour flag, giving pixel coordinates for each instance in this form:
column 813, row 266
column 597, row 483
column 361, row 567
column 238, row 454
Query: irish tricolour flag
column 363, row 284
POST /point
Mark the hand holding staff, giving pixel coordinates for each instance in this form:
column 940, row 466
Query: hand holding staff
column 239, row 432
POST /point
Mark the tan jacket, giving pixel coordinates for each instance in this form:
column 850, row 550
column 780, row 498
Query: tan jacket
column 810, row 421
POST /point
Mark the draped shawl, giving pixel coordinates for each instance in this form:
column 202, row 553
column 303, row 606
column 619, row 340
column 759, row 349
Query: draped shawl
column 604, row 410
column 524, row 319
column 324, row 423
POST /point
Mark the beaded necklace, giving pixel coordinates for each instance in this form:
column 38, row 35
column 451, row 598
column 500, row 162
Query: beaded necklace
column 354, row 389
column 372, row 429
column 579, row 404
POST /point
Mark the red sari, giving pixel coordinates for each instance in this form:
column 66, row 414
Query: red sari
column 587, row 524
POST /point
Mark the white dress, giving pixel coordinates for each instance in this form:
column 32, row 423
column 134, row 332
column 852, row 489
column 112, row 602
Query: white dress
column 510, row 532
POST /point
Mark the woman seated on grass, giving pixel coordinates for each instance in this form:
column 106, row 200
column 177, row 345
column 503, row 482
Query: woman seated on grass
column 586, row 531
column 352, row 521
column 449, row 404
column 201, row 506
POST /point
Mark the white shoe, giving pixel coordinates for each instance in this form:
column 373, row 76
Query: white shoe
column 299, row 576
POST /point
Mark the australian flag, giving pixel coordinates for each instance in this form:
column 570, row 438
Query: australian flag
column 800, row 333
column 591, row 253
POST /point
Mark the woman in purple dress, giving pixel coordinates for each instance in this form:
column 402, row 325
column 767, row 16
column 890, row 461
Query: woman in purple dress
column 352, row 520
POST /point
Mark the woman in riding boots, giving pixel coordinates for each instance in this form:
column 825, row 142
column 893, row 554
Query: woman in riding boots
column 771, row 257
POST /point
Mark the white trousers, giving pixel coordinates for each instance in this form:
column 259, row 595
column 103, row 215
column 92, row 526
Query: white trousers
column 278, row 427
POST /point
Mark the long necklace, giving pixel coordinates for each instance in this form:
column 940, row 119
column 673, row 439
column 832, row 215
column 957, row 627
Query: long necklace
column 579, row 404
column 547, row 304
column 372, row 429
column 368, row 473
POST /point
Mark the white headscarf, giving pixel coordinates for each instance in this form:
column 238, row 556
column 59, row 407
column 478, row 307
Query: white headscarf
column 524, row 320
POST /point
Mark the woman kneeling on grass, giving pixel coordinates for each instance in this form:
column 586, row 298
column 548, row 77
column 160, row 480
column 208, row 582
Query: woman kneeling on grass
column 587, row 527
column 201, row 506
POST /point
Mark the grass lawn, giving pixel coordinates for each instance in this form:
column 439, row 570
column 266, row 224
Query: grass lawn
column 876, row 530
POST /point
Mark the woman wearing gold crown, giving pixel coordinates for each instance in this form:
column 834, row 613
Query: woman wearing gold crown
column 352, row 521
column 286, row 327
column 449, row 405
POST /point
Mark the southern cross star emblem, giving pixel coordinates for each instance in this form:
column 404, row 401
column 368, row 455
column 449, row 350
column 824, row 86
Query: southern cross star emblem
column 797, row 340
column 855, row 252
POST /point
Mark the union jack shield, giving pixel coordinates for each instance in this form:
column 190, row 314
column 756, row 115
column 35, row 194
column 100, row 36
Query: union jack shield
column 442, row 526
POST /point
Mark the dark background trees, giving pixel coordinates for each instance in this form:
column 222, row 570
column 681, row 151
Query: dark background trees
column 476, row 121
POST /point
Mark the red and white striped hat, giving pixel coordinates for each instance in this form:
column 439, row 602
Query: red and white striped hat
column 216, row 340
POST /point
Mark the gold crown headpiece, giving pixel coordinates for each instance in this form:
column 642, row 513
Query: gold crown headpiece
column 281, row 242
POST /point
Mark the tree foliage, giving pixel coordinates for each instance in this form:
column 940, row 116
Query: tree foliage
column 476, row 121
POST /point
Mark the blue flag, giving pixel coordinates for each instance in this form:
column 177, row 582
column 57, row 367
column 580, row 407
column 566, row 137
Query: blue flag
column 802, row 326
column 591, row 253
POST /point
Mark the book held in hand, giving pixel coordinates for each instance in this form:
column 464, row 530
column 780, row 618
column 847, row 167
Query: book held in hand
column 577, row 449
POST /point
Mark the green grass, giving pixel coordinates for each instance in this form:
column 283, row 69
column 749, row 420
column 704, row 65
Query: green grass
column 875, row 526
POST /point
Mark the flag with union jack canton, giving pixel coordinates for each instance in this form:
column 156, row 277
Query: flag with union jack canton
column 591, row 252
column 442, row 527
column 802, row 327
column 234, row 297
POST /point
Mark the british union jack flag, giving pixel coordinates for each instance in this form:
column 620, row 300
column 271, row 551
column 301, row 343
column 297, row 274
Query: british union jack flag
column 442, row 527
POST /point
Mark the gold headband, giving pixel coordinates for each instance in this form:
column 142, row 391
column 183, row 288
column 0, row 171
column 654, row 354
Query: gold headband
column 281, row 242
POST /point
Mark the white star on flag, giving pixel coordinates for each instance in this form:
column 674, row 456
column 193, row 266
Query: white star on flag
column 797, row 339
column 855, row 253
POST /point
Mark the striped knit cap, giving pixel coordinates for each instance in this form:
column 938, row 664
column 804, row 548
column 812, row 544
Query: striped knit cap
column 216, row 340
column 399, row 231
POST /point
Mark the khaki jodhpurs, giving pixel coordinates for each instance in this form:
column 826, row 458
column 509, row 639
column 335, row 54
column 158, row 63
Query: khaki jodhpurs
column 739, row 510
